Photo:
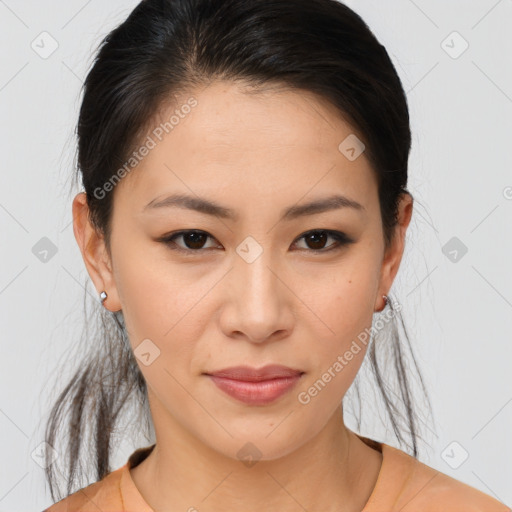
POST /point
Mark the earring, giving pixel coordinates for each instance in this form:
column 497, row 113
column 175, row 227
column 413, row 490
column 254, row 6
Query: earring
column 385, row 297
column 103, row 296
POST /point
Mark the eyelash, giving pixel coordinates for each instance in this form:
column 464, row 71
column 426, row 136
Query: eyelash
column 341, row 240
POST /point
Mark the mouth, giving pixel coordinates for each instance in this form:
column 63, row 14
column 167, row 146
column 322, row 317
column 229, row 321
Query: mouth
column 256, row 386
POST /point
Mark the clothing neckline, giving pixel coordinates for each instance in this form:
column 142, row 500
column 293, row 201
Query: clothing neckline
column 388, row 484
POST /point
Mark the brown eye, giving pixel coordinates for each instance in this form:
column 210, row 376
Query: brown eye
column 316, row 240
column 194, row 241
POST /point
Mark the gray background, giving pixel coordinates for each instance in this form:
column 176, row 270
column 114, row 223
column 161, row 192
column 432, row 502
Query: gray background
column 459, row 312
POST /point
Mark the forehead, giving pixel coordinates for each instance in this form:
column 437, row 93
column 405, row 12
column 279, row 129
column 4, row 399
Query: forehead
column 243, row 119
column 248, row 142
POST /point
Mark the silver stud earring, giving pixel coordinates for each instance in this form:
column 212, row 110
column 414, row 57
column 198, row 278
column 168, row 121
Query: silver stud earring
column 103, row 296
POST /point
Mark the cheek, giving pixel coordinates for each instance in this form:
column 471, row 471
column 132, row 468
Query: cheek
column 153, row 301
column 343, row 297
column 166, row 306
column 336, row 358
column 343, row 302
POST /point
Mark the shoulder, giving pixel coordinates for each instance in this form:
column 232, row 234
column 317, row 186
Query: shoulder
column 423, row 488
column 443, row 492
column 101, row 495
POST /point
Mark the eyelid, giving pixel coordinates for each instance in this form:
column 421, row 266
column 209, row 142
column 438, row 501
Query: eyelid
column 342, row 240
column 169, row 240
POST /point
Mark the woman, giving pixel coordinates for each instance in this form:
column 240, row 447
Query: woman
column 244, row 217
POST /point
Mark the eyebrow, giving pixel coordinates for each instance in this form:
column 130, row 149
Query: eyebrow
column 207, row 207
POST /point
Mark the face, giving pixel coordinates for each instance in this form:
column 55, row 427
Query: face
column 260, row 280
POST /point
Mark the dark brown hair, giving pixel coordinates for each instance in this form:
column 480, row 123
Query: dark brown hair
column 167, row 47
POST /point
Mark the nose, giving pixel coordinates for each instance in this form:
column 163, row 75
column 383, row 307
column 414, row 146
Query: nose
column 259, row 305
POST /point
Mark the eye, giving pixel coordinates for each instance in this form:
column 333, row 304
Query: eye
column 194, row 240
column 317, row 238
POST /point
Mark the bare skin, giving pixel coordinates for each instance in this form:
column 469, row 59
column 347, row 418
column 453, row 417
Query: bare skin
column 256, row 154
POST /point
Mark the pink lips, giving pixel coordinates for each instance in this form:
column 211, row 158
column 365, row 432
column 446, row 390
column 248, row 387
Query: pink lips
column 255, row 386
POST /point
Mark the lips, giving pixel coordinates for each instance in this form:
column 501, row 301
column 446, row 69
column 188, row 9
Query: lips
column 248, row 374
column 256, row 386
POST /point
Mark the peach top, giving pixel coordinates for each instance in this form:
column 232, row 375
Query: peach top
column 403, row 484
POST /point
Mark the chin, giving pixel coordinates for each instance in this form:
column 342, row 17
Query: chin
column 258, row 441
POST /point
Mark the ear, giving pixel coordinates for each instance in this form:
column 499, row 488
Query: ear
column 394, row 253
column 94, row 252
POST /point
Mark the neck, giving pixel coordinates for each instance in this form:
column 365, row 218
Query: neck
column 334, row 470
